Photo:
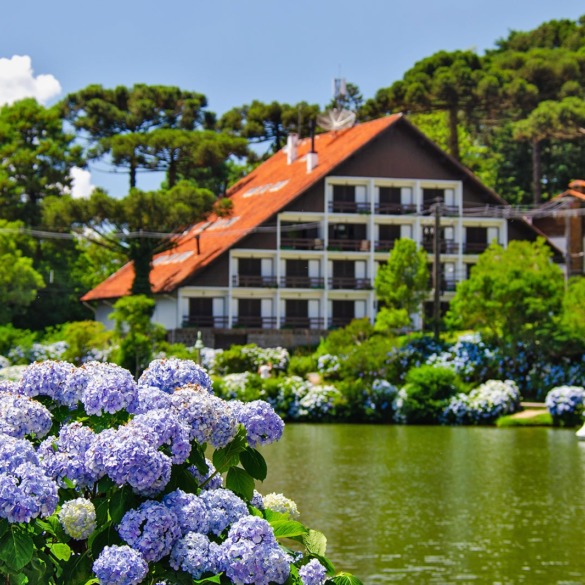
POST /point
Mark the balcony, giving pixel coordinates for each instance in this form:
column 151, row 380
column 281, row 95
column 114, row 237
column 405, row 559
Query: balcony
column 384, row 245
column 301, row 322
column 475, row 247
column 347, row 245
column 446, row 247
column 349, row 283
column 301, row 243
column 254, row 281
column 254, row 322
column 394, row 208
column 219, row 322
column 302, row 282
column 349, row 207
column 338, row 322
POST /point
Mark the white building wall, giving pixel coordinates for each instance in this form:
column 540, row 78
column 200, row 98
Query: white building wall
column 165, row 313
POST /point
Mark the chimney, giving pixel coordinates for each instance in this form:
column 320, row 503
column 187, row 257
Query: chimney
column 312, row 158
column 292, row 143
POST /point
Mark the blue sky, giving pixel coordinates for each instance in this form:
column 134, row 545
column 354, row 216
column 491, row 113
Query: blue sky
column 235, row 51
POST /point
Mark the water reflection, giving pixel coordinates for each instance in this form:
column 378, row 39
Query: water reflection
column 439, row 505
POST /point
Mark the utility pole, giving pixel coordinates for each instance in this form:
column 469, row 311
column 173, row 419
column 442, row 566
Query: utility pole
column 437, row 270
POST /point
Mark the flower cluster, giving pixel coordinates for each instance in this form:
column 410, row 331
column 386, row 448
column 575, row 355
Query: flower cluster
column 318, row 402
column 328, row 364
column 78, row 518
column 21, row 416
column 280, row 503
column 566, row 404
column 172, row 373
column 484, row 404
column 120, row 565
column 313, row 573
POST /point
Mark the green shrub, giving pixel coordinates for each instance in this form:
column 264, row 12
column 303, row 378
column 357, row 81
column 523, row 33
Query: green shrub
column 86, row 340
column 540, row 419
column 12, row 338
column 426, row 394
column 301, row 365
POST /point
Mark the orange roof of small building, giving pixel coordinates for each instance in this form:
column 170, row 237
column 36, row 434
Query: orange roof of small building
column 256, row 197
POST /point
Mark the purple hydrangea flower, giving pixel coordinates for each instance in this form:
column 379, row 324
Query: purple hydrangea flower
column 257, row 500
column 313, row 573
column 65, row 456
column 20, row 416
column 224, row 508
column 16, row 452
column 49, row 378
column 209, row 418
column 151, row 398
column 251, row 554
column 120, row 565
column 195, row 554
column 262, row 423
column 165, row 428
column 109, row 388
column 152, row 529
column 169, row 374
column 26, row 493
column 190, row 510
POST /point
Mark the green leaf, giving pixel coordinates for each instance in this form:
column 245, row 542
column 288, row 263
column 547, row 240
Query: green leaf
column 287, row 528
column 3, row 527
column 315, row 542
column 326, row 563
column 240, row 482
column 92, row 582
column 77, row 571
column 214, row 579
column 229, row 455
column 101, row 512
column 120, row 502
column 346, row 579
column 61, row 551
column 16, row 548
column 197, row 458
column 254, row 463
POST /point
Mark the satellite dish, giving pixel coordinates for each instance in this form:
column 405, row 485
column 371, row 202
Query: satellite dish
column 336, row 119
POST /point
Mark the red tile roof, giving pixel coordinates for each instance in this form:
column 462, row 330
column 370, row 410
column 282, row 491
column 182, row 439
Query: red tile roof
column 256, row 197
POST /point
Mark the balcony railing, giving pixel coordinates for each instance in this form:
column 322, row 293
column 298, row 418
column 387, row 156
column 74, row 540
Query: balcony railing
column 302, row 281
column 349, row 283
column 301, row 243
column 300, row 322
column 349, row 245
column 384, row 245
column 254, row 322
column 219, row 322
column 255, row 280
column 337, row 322
column 394, row 208
column 349, row 207
column 446, row 247
column 475, row 247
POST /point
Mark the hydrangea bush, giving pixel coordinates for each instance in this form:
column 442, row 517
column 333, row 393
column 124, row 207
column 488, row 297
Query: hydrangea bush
column 104, row 480
column 566, row 405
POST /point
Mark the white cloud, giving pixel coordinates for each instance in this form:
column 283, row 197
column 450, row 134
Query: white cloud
column 17, row 81
column 82, row 186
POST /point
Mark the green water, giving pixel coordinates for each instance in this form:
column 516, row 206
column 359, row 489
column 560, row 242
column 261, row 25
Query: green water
column 430, row 505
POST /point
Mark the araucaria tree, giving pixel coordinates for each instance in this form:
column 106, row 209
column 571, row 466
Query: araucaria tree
column 402, row 284
column 512, row 295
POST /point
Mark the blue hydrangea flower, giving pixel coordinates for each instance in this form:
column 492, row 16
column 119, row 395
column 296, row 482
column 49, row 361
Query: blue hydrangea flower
column 152, row 529
column 21, row 416
column 194, row 554
column 257, row 501
column 190, row 510
column 26, row 493
column 49, row 378
column 165, row 428
column 16, row 452
column 208, row 481
column 224, row 508
column 109, row 388
column 120, row 565
column 251, row 554
column 313, row 573
column 65, row 456
column 151, row 398
column 262, row 423
column 169, row 374
column 78, row 518
column 210, row 419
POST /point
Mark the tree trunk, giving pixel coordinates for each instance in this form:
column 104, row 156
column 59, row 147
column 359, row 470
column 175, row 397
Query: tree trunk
column 133, row 173
column 453, row 134
column 142, row 259
column 172, row 172
column 536, row 172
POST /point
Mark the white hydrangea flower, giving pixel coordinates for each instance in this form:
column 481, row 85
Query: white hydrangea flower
column 78, row 518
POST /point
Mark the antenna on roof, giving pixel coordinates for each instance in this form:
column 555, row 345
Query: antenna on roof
column 337, row 118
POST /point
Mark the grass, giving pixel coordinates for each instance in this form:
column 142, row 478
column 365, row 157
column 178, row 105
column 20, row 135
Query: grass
column 539, row 419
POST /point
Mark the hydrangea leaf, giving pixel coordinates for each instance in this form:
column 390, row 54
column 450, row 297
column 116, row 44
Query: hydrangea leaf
column 61, row 551
column 315, row 542
column 16, row 548
column 240, row 482
column 229, row 455
column 346, row 579
column 287, row 528
column 254, row 463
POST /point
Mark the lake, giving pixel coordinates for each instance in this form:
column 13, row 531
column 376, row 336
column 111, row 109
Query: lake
column 439, row 505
